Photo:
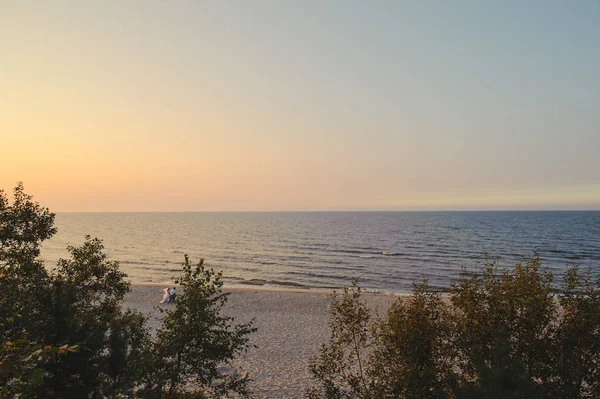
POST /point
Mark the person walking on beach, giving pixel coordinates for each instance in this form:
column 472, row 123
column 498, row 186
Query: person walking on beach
column 166, row 296
column 172, row 295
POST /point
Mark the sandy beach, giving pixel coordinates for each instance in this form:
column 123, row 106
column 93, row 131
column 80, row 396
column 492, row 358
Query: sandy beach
column 292, row 324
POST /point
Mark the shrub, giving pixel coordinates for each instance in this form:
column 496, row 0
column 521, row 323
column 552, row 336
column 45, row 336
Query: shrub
column 64, row 332
column 576, row 360
column 196, row 341
column 340, row 366
column 505, row 323
column 412, row 356
column 403, row 354
column 507, row 334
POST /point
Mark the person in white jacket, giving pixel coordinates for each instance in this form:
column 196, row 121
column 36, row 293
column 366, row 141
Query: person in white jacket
column 166, row 296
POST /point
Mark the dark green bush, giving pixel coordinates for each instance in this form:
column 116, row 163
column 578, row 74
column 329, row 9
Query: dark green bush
column 500, row 334
column 341, row 366
column 196, row 340
column 65, row 334
column 576, row 362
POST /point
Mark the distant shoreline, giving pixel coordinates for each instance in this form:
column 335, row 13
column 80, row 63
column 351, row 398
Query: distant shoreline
column 262, row 288
column 350, row 211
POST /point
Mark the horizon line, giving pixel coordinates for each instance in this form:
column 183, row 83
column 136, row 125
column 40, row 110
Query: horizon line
column 347, row 211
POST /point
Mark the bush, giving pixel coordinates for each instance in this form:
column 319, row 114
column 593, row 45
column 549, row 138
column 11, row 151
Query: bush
column 412, row 356
column 502, row 334
column 403, row 354
column 340, row 366
column 505, row 322
column 576, row 366
column 196, row 341
column 65, row 334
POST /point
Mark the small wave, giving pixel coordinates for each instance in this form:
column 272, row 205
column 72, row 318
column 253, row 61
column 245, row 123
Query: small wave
column 556, row 251
column 266, row 262
column 355, row 251
column 136, row 262
column 369, row 248
column 234, row 278
column 385, row 253
column 288, row 283
column 319, row 244
column 316, row 275
column 261, row 282
column 254, row 281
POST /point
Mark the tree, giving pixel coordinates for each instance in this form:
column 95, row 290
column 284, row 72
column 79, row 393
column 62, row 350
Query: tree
column 413, row 356
column 79, row 303
column 508, row 334
column 403, row 354
column 340, row 366
column 505, row 323
column 23, row 226
column 576, row 360
column 65, row 334
column 196, row 341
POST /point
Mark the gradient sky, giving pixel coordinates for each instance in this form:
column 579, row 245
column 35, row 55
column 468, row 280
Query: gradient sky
column 304, row 105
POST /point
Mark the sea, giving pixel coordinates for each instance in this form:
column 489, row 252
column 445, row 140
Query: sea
column 383, row 251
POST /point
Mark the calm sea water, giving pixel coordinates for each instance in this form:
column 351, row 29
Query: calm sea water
column 385, row 251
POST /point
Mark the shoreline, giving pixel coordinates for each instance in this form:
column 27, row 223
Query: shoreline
column 275, row 288
column 291, row 324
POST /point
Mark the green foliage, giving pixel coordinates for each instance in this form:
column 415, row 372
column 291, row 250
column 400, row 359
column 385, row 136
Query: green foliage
column 196, row 342
column 24, row 224
column 504, row 330
column 412, row 356
column 403, row 354
column 23, row 366
column 506, row 335
column 340, row 366
column 65, row 334
column 78, row 303
column 576, row 371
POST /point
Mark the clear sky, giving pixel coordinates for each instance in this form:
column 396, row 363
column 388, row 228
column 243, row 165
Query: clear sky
column 301, row 105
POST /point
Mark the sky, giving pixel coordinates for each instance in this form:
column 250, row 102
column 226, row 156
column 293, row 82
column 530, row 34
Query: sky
column 301, row 105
